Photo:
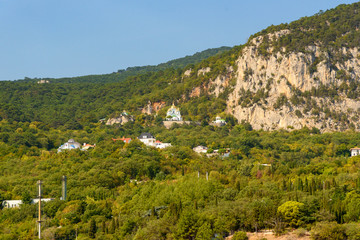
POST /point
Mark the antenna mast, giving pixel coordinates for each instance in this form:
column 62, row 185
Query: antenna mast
column 39, row 220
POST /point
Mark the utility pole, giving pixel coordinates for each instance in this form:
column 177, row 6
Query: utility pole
column 39, row 220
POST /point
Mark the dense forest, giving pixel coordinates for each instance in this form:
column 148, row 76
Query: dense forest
column 62, row 103
column 272, row 180
column 287, row 180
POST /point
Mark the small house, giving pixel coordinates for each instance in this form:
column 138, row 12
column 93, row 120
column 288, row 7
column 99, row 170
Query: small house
column 219, row 122
column 69, row 145
column 200, row 149
column 11, row 203
column 148, row 139
column 86, row 146
column 162, row 145
column 17, row 203
column 355, row 151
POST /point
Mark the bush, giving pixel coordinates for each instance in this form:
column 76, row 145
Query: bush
column 328, row 231
column 298, row 113
column 300, row 232
column 353, row 231
column 240, row 235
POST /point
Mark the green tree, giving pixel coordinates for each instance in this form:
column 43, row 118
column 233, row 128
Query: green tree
column 204, row 232
column 187, row 225
column 352, row 206
column 92, row 228
column 26, row 197
column 291, row 212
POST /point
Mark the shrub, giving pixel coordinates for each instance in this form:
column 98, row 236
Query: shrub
column 298, row 113
column 300, row 232
column 328, row 231
column 240, row 235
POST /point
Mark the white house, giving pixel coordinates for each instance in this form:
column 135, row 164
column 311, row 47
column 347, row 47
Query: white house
column 162, row 145
column 43, row 81
column 219, row 121
column 36, row 200
column 148, row 139
column 11, row 203
column 17, row 203
column 69, row 145
column 355, row 151
column 200, row 149
column 173, row 114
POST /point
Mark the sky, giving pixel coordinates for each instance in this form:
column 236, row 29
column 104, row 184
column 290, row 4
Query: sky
column 67, row 38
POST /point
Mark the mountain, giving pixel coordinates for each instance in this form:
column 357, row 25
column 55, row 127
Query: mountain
column 305, row 73
column 298, row 184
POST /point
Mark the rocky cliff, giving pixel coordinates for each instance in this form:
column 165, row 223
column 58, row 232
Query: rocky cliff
column 279, row 90
column 316, row 87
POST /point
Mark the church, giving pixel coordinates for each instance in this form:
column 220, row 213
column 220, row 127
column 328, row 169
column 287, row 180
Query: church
column 173, row 114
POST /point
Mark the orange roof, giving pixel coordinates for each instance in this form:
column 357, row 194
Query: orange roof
column 124, row 139
column 89, row 145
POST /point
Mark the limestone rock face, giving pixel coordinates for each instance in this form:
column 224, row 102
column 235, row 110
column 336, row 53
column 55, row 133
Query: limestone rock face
column 151, row 108
column 203, row 71
column 221, row 82
column 122, row 119
column 283, row 75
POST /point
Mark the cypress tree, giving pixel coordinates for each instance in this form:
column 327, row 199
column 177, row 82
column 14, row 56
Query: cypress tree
column 92, row 228
column 103, row 227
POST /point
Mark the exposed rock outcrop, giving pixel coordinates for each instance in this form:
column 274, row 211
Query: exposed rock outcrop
column 291, row 90
column 151, row 108
column 281, row 75
column 122, row 119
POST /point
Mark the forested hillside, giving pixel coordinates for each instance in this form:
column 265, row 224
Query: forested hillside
column 298, row 80
column 60, row 103
column 293, row 75
column 277, row 180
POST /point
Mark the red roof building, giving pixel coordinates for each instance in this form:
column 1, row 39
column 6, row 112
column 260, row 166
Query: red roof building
column 124, row 139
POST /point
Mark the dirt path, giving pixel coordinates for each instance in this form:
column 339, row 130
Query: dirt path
column 269, row 235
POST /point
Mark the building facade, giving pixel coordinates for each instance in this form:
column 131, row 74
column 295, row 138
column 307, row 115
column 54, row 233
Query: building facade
column 355, row 151
column 69, row 145
column 148, row 139
column 173, row 114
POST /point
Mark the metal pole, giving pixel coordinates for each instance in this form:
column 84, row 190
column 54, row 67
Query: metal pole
column 39, row 220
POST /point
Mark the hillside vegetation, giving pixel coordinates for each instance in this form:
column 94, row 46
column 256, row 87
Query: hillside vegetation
column 293, row 75
column 277, row 180
column 297, row 176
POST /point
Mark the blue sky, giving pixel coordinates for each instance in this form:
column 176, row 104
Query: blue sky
column 64, row 38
